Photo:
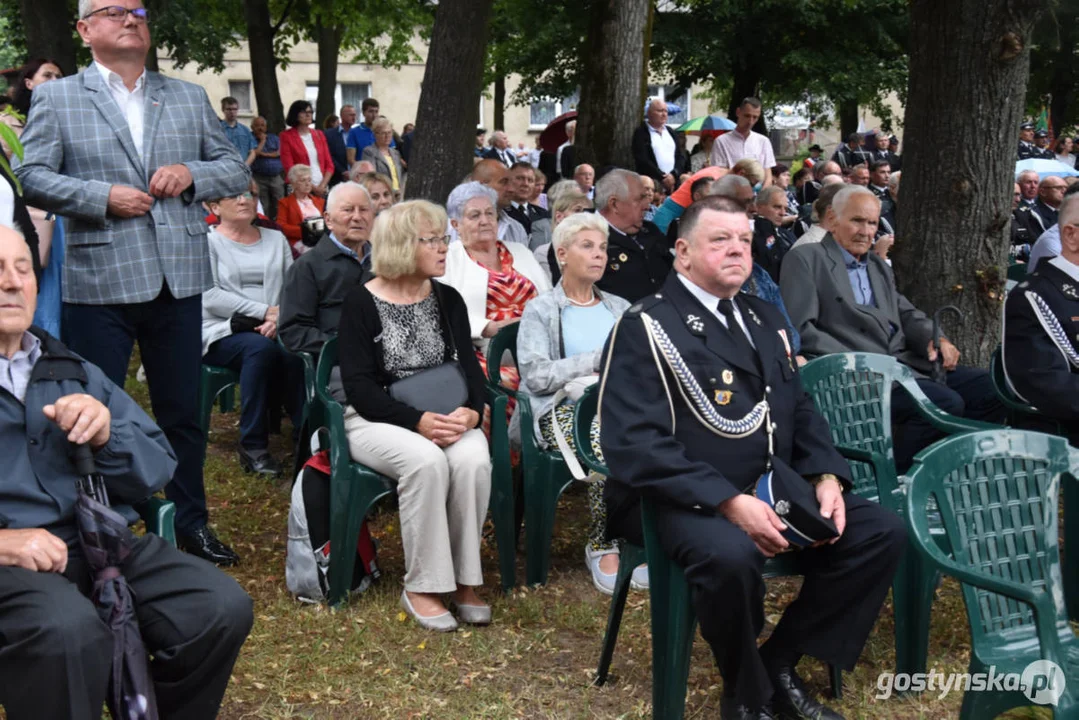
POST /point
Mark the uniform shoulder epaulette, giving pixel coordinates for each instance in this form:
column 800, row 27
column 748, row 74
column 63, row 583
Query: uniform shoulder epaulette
column 645, row 303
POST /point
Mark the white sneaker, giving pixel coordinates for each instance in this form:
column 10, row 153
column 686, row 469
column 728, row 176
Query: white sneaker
column 600, row 580
column 639, row 579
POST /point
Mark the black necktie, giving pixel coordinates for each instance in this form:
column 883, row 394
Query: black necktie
column 726, row 308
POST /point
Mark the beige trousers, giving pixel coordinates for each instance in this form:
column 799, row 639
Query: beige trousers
column 442, row 494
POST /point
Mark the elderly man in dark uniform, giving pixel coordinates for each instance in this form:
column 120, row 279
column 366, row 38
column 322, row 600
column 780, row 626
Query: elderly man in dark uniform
column 1027, row 148
column 1041, row 322
column 697, row 460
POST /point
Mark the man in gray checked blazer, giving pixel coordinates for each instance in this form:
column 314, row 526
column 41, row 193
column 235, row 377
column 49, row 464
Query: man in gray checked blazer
column 127, row 156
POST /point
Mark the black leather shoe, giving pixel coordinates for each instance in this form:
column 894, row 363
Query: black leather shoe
column 259, row 462
column 730, row 709
column 204, row 544
column 792, row 700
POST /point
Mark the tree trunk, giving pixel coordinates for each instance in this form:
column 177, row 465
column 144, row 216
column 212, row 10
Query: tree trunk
column 151, row 58
column 48, row 37
column 500, row 101
column 611, row 100
column 746, row 83
column 452, row 81
column 329, row 45
column 263, row 63
column 848, row 118
column 969, row 63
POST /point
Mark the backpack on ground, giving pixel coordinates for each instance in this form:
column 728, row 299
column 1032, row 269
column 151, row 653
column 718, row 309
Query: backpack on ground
column 307, row 555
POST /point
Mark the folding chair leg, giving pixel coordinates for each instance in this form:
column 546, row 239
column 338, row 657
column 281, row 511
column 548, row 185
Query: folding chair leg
column 673, row 625
column 227, row 398
column 502, row 512
column 630, row 558
column 345, row 524
column 912, row 597
column 541, row 499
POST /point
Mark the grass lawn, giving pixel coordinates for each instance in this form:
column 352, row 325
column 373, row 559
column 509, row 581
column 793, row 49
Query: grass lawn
column 537, row 659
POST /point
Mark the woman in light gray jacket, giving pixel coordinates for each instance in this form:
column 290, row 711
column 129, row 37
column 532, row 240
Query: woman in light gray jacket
column 239, row 324
column 561, row 338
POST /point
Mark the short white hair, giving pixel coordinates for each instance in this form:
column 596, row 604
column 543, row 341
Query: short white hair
column 765, row 195
column 559, row 189
column 844, row 196
column 1068, row 212
column 893, row 179
column 1019, row 177
column 331, row 199
column 466, row 193
column 729, row 185
column 567, row 231
column 295, row 171
column 615, row 184
column 85, row 7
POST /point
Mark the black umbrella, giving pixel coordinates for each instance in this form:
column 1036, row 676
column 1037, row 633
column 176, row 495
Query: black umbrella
column 939, row 373
column 106, row 542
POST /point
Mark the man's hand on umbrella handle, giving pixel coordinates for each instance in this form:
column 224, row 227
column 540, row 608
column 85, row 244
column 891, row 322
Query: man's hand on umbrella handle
column 34, row 549
column 83, row 417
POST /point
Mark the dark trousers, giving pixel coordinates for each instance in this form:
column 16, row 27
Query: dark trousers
column 269, row 376
column 55, row 652
column 169, row 332
column 969, row 393
column 844, row 588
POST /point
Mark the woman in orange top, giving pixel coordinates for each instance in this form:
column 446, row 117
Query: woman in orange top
column 301, row 205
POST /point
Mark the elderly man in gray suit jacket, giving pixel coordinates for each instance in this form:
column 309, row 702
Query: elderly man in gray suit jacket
column 842, row 298
column 127, row 156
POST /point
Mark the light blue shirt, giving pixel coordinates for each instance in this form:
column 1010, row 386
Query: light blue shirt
column 1047, row 246
column 15, row 371
column 352, row 253
column 858, row 272
column 241, row 137
column 585, row 329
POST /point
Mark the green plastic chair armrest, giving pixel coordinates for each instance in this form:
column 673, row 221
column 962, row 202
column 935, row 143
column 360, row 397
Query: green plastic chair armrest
column 583, row 413
column 159, row 515
column 945, row 422
column 506, row 339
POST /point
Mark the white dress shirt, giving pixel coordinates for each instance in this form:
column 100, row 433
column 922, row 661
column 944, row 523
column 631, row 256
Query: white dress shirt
column 663, row 147
column 731, row 147
column 711, row 302
column 308, row 141
column 132, row 103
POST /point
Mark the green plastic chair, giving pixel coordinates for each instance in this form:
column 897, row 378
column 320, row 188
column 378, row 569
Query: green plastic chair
column 1019, row 413
column 354, row 488
column 503, row 501
column 311, row 419
column 1017, row 272
column 158, row 514
column 997, row 494
column 673, row 617
column 545, row 473
column 214, row 382
column 853, row 391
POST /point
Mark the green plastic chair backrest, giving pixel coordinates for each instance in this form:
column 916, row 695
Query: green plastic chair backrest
column 853, row 393
column 504, row 340
column 998, row 493
column 1017, row 272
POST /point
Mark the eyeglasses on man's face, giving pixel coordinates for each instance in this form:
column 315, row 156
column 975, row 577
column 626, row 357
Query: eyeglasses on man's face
column 119, row 13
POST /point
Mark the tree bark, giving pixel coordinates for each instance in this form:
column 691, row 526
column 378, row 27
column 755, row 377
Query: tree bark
column 611, row 100
column 452, row 81
column 329, row 45
column 263, row 63
column 48, row 37
column 500, row 101
column 969, row 63
column 848, row 117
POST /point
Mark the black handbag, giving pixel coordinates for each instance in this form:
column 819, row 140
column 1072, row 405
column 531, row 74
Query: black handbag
column 440, row 389
column 243, row 323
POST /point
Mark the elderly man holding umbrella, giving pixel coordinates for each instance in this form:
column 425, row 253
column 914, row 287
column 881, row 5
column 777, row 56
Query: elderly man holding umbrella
column 57, row 646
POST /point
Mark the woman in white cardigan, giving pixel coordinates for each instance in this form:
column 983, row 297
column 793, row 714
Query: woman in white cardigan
column 495, row 278
column 239, row 324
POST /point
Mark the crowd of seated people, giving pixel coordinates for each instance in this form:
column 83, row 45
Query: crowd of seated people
column 413, row 291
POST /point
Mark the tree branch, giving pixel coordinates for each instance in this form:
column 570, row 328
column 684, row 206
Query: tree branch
column 284, row 17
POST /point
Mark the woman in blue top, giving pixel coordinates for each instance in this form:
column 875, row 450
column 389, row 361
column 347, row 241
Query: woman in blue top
column 561, row 339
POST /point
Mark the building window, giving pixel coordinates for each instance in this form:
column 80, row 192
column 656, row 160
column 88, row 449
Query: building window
column 345, row 94
column 540, row 114
column 241, row 90
column 672, row 96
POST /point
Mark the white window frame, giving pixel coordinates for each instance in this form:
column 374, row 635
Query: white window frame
column 559, row 109
column 250, row 95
